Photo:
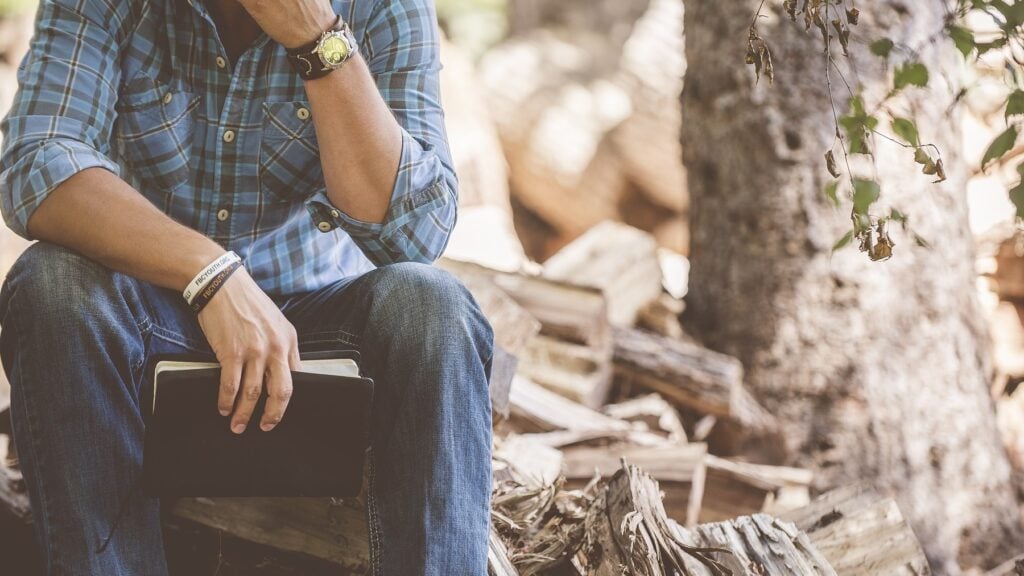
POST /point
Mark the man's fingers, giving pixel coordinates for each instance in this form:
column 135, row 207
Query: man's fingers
column 230, row 375
column 252, row 387
column 279, row 391
column 294, row 360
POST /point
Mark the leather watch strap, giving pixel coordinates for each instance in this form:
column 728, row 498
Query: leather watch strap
column 305, row 59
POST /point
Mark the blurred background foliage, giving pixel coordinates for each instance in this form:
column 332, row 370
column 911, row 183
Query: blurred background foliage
column 476, row 25
column 15, row 7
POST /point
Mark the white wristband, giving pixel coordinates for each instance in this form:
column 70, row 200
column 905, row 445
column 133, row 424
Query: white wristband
column 207, row 274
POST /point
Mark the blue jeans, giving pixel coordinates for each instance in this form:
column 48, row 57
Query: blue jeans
column 76, row 341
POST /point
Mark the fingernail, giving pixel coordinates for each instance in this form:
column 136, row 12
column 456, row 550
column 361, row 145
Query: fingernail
column 238, row 428
column 223, row 412
column 266, row 427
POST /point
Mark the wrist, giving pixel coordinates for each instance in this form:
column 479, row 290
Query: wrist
column 210, row 288
column 192, row 261
column 209, row 273
column 324, row 22
column 330, row 51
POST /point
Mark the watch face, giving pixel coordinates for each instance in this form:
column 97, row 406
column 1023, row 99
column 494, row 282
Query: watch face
column 333, row 50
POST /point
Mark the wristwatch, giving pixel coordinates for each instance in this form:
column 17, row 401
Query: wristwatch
column 328, row 52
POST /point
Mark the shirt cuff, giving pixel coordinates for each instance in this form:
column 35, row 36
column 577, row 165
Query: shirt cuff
column 418, row 186
column 23, row 188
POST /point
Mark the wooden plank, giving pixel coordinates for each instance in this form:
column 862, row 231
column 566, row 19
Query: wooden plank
column 498, row 563
column 651, row 412
column 661, row 316
column 679, row 469
column 536, row 409
column 688, row 375
column 617, row 259
column 503, row 370
column 320, row 527
column 580, row 373
column 739, row 488
column 527, row 461
column 13, row 494
column 850, row 526
column 759, row 545
column 1012, row 567
column 574, row 313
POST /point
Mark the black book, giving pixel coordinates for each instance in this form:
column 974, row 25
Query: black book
column 318, row 448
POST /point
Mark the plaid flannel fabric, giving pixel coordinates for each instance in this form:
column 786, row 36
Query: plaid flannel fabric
column 143, row 88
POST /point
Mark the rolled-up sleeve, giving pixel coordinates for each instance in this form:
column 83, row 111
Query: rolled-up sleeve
column 403, row 45
column 63, row 112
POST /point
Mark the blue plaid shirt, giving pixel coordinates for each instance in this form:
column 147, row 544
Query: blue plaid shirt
column 143, row 88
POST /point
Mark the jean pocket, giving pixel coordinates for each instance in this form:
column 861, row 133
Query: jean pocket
column 290, row 167
column 153, row 133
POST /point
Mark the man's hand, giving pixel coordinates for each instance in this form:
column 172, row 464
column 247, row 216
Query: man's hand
column 291, row 23
column 254, row 343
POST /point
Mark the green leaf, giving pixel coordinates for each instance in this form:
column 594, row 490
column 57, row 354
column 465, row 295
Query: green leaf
column 1013, row 12
column 865, row 193
column 962, row 38
column 993, row 45
column 1017, row 197
column 881, row 47
column 1000, row 146
column 907, row 130
column 858, row 126
column 910, row 74
column 922, row 157
column 1015, row 105
column 831, row 190
column 1017, row 192
column 898, row 216
column 843, row 242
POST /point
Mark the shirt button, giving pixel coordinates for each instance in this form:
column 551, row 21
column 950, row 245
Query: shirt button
column 229, row 136
column 335, row 213
column 303, row 113
column 223, row 214
column 221, row 62
column 168, row 97
column 324, row 226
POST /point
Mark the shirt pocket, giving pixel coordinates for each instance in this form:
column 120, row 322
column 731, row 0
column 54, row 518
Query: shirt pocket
column 154, row 131
column 290, row 167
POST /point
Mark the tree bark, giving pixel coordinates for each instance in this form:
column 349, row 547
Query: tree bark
column 877, row 371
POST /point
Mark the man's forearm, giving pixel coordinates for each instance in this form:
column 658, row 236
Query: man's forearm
column 360, row 140
column 101, row 216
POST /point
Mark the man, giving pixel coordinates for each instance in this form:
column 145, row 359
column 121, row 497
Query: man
column 150, row 142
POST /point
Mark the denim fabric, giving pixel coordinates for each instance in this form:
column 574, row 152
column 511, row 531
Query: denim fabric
column 76, row 344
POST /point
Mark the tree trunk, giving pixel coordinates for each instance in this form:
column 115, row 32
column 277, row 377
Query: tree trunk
column 877, row 371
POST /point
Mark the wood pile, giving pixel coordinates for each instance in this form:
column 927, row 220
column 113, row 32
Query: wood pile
column 587, row 110
column 589, row 488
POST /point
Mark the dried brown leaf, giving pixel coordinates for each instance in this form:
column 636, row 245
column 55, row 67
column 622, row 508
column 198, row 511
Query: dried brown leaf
column 760, row 56
column 790, row 7
column 853, row 16
column 830, row 163
column 843, row 34
column 882, row 248
column 940, row 171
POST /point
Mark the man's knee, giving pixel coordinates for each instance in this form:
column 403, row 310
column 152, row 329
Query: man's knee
column 428, row 300
column 50, row 279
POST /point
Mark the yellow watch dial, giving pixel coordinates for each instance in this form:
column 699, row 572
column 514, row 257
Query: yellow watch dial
column 333, row 50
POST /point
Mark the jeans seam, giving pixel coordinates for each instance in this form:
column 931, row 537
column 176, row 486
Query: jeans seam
column 330, row 336
column 376, row 544
column 51, row 541
column 178, row 339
